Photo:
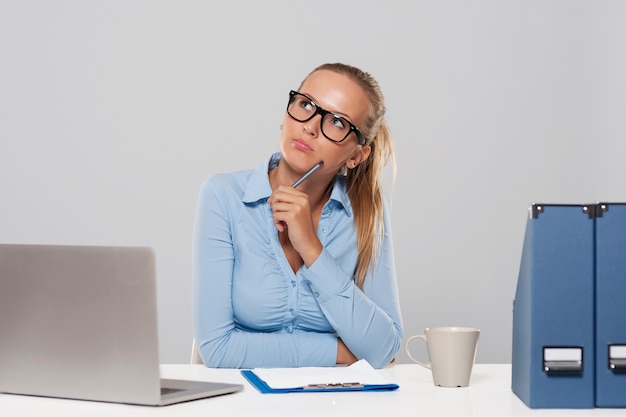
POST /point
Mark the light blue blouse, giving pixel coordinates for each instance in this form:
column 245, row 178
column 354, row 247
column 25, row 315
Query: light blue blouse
column 251, row 310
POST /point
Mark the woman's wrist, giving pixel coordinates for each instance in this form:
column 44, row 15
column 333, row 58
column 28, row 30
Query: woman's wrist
column 311, row 254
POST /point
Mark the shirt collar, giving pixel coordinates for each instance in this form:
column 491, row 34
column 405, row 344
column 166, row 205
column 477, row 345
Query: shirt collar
column 259, row 189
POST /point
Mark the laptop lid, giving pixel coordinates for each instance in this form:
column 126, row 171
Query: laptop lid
column 81, row 322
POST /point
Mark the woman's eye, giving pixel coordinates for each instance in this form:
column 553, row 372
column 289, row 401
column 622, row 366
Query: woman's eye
column 338, row 123
column 307, row 105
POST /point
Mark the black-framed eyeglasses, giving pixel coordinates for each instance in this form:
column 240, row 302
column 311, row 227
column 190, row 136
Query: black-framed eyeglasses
column 334, row 126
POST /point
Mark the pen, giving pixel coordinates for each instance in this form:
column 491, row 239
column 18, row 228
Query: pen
column 307, row 174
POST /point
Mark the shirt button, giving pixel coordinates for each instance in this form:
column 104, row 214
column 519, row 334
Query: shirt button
column 289, row 329
column 293, row 283
column 324, row 229
column 316, row 294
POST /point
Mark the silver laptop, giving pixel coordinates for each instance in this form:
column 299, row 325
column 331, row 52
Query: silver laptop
column 80, row 322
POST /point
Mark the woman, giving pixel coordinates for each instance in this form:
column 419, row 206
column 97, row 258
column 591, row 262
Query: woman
column 290, row 276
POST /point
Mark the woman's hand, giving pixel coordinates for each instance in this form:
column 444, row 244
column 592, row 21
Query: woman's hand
column 292, row 213
column 344, row 356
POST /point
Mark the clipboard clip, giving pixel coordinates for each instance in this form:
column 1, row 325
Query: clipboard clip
column 337, row 385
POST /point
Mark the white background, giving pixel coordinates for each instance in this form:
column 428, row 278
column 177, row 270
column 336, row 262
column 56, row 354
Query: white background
column 112, row 113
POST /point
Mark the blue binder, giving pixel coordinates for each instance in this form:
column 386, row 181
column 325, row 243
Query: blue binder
column 610, row 305
column 553, row 313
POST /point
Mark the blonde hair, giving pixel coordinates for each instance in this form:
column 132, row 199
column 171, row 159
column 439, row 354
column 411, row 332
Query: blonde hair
column 364, row 183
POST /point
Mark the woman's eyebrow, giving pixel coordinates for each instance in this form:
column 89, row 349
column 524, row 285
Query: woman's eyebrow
column 314, row 100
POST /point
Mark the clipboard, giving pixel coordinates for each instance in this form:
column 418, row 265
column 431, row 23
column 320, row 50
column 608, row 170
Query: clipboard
column 357, row 377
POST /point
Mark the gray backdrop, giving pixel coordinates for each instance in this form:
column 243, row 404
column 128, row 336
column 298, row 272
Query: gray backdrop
column 112, row 113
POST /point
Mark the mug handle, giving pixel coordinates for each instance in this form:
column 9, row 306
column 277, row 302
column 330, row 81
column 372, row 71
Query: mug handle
column 406, row 348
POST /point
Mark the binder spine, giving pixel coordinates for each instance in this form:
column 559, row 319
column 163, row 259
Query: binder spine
column 554, row 309
column 610, row 323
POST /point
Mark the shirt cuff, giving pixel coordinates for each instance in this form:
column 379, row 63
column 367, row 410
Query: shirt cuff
column 326, row 278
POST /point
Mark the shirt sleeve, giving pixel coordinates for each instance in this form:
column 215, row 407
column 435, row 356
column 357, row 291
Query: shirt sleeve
column 221, row 343
column 368, row 321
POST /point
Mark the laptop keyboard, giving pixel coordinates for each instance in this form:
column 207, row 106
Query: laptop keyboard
column 165, row 391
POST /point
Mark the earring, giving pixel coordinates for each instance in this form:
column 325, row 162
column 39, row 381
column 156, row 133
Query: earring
column 351, row 164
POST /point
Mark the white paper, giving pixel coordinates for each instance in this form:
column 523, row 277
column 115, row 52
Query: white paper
column 359, row 372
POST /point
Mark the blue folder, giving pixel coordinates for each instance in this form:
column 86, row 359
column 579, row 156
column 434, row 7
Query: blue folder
column 611, row 305
column 262, row 386
column 553, row 312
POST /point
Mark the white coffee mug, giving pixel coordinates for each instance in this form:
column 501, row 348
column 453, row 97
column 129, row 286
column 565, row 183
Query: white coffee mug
column 452, row 351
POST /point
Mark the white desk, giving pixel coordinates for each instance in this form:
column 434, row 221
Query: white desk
column 489, row 394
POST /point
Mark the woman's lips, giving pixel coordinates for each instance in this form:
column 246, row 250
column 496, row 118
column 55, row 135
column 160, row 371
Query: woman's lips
column 302, row 145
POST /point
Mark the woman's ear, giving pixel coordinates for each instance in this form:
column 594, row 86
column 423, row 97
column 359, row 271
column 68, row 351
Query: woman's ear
column 359, row 156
